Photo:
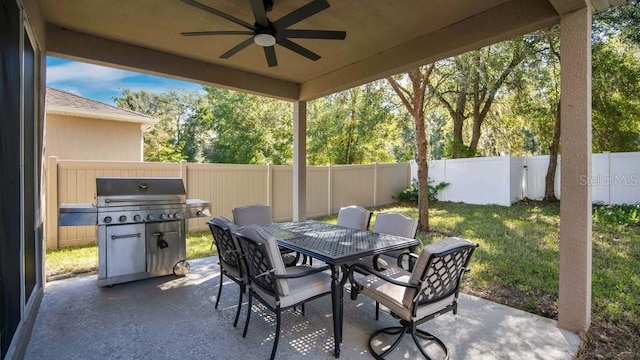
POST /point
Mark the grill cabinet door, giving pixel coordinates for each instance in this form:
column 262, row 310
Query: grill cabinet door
column 126, row 252
column 165, row 246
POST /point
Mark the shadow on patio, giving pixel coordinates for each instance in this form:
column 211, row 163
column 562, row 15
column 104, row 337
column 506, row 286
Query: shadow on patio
column 171, row 317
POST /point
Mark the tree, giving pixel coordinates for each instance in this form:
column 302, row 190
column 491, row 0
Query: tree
column 616, row 106
column 541, row 100
column 469, row 84
column 615, row 84
column 164, row 141
column 245, row 128
column 413, row 99
column 355, row 126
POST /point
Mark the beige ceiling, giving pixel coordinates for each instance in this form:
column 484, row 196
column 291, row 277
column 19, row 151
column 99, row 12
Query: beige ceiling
column 384, row 37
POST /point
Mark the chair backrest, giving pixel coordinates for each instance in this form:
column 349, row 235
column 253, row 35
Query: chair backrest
column 263, row 260
column 254, row 214
column 395, row 224
column 222, row 230
column 438, row 271
column 354, row 217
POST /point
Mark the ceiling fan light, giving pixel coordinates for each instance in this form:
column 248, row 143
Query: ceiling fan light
column 264, row 40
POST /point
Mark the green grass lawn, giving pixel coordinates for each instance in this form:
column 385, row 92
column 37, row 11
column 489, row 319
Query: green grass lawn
column 516, row 265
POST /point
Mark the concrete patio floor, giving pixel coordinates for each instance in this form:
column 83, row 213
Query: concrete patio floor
column 175, row 318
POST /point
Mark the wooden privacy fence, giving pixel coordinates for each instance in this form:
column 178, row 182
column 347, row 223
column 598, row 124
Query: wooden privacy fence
column 226, row 186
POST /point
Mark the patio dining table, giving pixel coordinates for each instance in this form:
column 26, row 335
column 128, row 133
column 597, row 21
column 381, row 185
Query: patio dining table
column 337, row 246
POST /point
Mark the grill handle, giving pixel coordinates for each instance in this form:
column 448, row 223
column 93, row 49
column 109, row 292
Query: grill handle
column 115, row 237
column 141, row 199
column 161, row 234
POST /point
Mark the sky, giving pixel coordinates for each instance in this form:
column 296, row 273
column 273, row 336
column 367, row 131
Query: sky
column 102, row 83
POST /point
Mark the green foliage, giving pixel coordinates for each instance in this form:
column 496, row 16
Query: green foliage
column 625, row 214
column 411, row 193
column 469, row 85
column 616, row 106
column 453, row 147
column 355, row 126
column 245, row 128
column 166, row 140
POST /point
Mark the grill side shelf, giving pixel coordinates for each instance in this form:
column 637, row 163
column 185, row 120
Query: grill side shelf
column 78, row 215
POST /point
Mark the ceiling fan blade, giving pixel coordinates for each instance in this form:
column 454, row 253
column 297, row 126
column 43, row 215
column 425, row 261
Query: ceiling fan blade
column 314, row 34
column 219, row 13
column 259, row 13
column 270, row 54
column 301, row 13
column 237, row 48
column 298, row 49
column 199, row 33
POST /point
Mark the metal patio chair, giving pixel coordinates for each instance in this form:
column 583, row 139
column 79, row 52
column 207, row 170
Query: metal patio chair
column 416, row 297
column 354, row 217
column 275, row 286
column 257, row 214
column 397, row 224
column 230, row 256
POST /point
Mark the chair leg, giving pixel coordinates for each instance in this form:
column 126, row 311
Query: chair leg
column 246, row 321
column 220, row 289
column 377, row 310
column 302, row 309
column 401, row 330
column 235, row 322
column 417, row 333
column 277, row 336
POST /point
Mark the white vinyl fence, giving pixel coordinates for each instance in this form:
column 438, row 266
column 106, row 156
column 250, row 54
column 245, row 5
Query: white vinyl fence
column 504, row 180
column 226, row 186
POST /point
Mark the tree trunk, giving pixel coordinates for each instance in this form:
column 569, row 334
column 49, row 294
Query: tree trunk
column 549, row 179
column 414, row 102
column 423, row 172
column 458, row 143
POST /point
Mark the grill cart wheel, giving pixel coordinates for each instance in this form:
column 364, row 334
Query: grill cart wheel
column 182, row 268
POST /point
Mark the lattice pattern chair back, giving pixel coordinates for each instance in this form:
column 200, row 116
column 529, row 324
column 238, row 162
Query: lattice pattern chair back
column 255, row 214
column 222, row 230
column 354, row 217
column 440, row 277
column 230, row 255
column 263, row 260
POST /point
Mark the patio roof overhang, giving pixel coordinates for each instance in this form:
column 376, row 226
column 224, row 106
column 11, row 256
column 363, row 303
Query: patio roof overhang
column 383, row 38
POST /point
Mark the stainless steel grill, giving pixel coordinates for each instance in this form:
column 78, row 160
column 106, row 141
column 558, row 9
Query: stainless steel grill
column 140, row 225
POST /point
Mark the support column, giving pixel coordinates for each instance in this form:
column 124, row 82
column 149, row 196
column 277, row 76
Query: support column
column 574, row 310
column 51, row 222
column 299, row 160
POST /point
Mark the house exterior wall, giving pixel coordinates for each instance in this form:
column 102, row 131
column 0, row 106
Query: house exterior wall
column 75, row 138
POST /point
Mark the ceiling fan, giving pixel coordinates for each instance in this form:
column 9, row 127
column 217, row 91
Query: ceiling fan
column 267, row 33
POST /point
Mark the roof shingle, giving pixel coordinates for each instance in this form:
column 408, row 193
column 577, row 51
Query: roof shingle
column 62, row 102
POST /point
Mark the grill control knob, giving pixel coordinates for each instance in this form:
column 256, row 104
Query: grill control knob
column 150, row 217
column 107, row 219
column 176, row 216
column 170, row 215
column 163, row 216
column 122, row 218
column 137, row 217
column 199, row 213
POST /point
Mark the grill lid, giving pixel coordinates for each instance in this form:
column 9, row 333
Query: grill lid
column 137, row 191
column 139, row 186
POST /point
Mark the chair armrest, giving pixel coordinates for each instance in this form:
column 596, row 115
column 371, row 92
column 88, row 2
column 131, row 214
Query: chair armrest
column 311, row 270
column 412, row 260
column 378, row 274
